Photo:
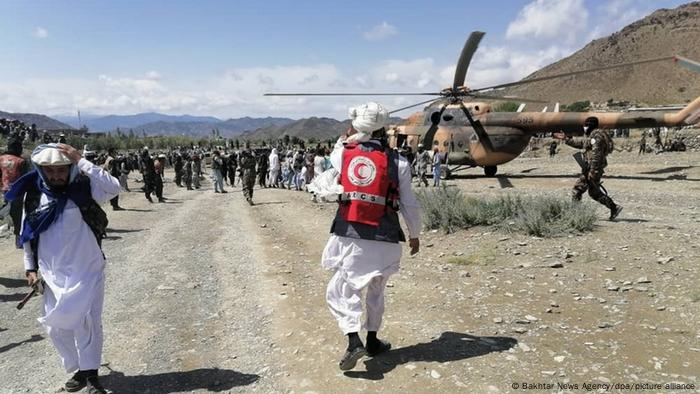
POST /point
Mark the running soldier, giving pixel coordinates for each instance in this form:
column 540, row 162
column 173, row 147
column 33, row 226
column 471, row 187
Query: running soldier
column 596, row 145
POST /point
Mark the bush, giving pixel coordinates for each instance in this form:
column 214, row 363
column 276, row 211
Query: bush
column 543, row 216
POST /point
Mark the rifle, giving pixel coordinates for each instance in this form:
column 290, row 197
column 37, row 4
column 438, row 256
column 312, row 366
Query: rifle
column 585, row 168
column 37, row 287
column 578, row 156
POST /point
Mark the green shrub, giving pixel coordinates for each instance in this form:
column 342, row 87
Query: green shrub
column 543, row 216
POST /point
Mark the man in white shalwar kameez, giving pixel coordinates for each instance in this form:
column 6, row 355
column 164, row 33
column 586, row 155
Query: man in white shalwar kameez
column 69, row 258
column 274, row 172
column 365, row 256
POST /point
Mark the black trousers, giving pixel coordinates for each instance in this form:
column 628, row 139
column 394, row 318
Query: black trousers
column 159, row 187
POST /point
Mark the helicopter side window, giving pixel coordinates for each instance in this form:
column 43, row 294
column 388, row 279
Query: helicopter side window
column 447, row 117
column 436, row 143
column 435, row 117
column 446, row 144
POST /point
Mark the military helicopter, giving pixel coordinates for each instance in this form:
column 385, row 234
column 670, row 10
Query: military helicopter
column 470, row 134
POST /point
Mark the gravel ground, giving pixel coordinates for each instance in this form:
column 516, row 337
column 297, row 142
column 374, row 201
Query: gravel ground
column 206, row 293
column 184, row 308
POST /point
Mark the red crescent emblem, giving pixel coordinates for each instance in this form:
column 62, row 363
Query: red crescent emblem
column 359, row 172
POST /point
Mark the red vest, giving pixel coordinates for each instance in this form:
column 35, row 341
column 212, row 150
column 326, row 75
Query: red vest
column 369, row 203
column 11, row 167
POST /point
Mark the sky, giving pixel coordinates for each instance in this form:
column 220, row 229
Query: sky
column 217, row 58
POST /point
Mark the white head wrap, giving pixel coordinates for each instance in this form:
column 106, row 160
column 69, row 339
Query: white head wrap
column 367, row 118
column 49, row 155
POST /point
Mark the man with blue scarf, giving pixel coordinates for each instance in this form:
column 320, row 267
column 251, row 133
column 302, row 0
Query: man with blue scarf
column 58, row 241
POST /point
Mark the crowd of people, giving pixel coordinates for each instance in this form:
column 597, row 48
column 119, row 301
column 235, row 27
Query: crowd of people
column 371, row 182
column 18, row 129
column 675, row 144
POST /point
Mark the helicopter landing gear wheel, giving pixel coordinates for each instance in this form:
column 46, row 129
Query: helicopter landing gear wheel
column 445, row 173
column 490, row 171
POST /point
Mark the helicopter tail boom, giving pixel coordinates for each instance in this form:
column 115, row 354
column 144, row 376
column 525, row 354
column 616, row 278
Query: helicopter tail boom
column 572, row 122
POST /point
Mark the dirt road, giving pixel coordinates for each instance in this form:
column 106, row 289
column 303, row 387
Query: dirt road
column 206, row 293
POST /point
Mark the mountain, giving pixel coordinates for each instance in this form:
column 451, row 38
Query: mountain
column 42, row 122
column 318, row 128
column 665, row 32
column 111, row 122
column 160, row 124
column 227, row 128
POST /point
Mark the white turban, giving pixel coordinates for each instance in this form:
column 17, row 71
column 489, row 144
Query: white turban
column 368, row 117
column 49, row 155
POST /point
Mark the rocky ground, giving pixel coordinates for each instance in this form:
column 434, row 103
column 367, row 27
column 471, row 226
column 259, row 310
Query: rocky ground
column 207, row 294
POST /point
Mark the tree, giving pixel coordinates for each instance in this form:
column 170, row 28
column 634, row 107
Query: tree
column 285, row 140
column 507, row 106
column 578, row 106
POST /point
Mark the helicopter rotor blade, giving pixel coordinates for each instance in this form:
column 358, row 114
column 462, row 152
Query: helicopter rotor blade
column 353, row 94
column 414, row 105
column 505, row 85
column 478, row 128
column 508, row 98
column 465, row 58
column 687, row 63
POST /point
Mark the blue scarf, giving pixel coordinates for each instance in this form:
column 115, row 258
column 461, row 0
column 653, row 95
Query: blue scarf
column 38, row 221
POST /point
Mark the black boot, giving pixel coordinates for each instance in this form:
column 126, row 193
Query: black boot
column 77, row 382
column 614, row 212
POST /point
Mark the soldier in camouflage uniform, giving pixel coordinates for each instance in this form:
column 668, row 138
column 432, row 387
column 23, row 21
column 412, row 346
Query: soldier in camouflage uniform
column 596, row 145
column 247, row 163
column 149, row 174
column 187, row 172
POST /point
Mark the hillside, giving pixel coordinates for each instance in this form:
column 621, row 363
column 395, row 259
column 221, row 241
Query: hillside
column 42, row 122
column 160, row 124
column 662, row 33
column 228, row 128
column 111, row 122
column 318, row 128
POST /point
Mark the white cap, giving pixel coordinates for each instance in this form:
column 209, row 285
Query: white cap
column 50, row 156
column 368, row 117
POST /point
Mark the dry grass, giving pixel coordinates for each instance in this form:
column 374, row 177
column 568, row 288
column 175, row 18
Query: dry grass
column 543, row 216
